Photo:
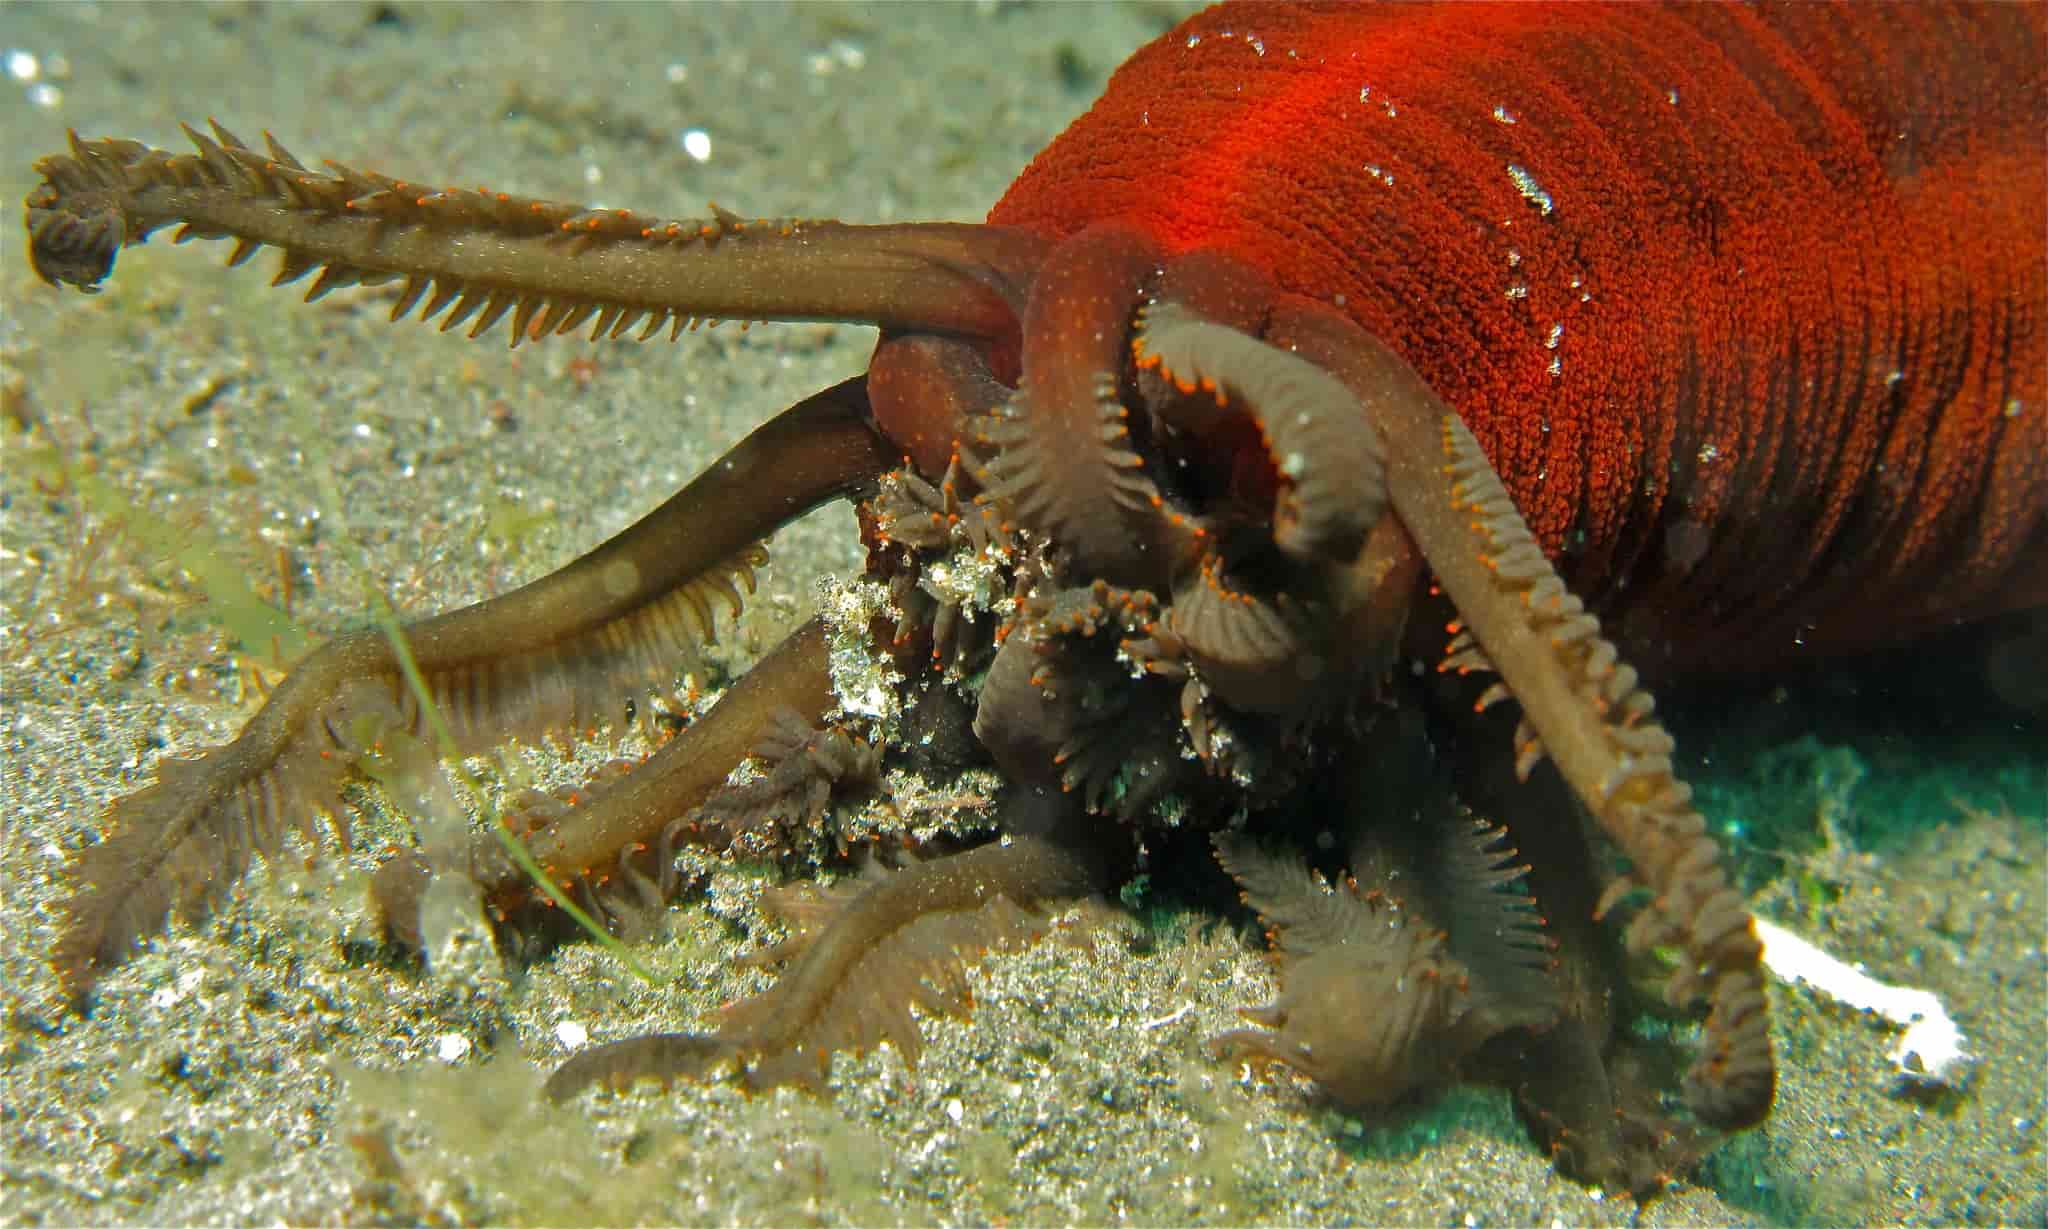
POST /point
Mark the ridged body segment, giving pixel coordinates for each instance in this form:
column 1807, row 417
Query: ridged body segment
column 1745, row 304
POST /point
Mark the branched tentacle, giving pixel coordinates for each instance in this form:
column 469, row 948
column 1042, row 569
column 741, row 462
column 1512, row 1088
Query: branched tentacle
column 1059, row 452
column 803, row 768
column 1369, row 996
column 1490, row 920
column 1635, row 794
column 641, row 807
column 482, row 256
column 953, row 575
column 861, row 955
column 1057, row 703
column 1389, row 981
column 1248, row 648
column 1582, row 706
column 1330, row 465
column 559, row 655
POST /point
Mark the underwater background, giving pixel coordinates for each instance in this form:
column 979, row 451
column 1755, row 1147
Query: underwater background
column 190, row 448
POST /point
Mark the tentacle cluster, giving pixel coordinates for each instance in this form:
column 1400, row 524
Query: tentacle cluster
column 784, row 807
column 956, row 566
column 1182, row 522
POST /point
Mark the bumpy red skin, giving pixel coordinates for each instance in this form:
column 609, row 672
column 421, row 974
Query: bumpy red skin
column 1746, row 306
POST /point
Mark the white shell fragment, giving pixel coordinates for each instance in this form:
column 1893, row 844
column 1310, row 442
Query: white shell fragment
column 1930, row 1051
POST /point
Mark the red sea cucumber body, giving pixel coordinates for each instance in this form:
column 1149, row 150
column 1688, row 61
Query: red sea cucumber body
column 1746, row 305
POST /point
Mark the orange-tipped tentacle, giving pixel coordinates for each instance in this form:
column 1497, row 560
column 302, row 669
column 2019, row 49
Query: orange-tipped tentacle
column 1331, row 489
column 1582, row 707
column 1060, row 452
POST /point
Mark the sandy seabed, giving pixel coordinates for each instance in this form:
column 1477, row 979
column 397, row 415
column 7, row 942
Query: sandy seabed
column 270, row 1065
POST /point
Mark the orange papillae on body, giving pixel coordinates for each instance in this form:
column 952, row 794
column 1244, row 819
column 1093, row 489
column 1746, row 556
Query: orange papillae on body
column 1688, row 274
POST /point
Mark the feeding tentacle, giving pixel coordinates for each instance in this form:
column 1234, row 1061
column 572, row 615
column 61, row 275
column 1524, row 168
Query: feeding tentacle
column 552, row 656
column 861, row 954
column 1330, row 466
column 481, row 256
column 1582, row 705
column 1059, row 453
